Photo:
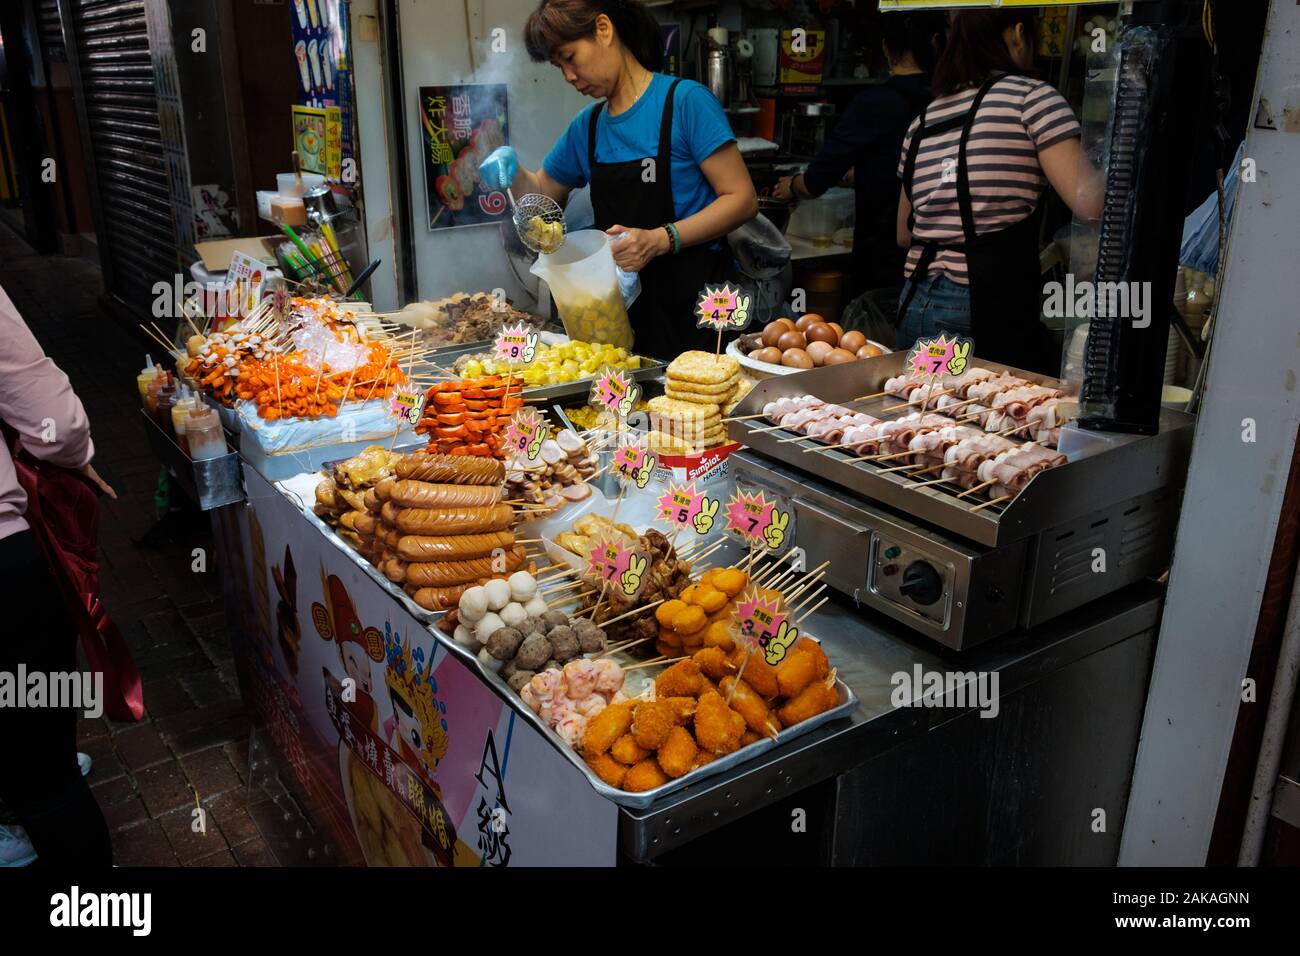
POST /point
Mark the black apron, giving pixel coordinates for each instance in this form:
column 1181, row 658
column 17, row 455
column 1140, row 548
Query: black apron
column 663, row 315
column 1002, row 266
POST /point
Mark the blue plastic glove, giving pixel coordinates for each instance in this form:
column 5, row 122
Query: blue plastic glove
column 498, row 170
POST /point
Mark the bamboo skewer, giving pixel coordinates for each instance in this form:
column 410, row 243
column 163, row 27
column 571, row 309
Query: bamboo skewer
column 614, row 648
column 992, row 501
column 979, row 487
column 798, row 607
column 812, row 609
column 805, row 586
column 658, row 660
column 743, row 418
column 864, row 398
column 635, row 610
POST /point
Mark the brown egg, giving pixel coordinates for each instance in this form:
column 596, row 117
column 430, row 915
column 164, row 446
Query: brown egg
column 819, row 351
column 791, row 340
column 852, row 340
column 787, row 323
column 810, row 319
column 869, row 351
column 821, row 332
column 770, row 355
column 796, row 358
column 839, row 329
column 839, row 357
column 772, row 331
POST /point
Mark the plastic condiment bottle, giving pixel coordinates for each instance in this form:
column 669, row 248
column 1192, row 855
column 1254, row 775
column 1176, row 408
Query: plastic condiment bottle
column 166, row 399
column 147, row 375
column 151, row 397
column 206, row 439
column 180, row 415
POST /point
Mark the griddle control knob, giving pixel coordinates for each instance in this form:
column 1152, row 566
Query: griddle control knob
column 921, row 583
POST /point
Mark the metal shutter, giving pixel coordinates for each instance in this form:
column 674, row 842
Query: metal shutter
column 108, row 44
column 51, row 30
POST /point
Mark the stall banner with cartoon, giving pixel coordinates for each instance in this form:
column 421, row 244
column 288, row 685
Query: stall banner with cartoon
column 419, row 760
column 323, row 80
column 460, row 126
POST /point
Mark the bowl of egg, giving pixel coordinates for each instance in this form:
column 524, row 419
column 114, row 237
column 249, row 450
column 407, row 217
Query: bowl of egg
column 788, row 345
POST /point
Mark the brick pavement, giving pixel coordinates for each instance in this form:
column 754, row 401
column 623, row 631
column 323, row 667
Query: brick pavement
column 196, row 731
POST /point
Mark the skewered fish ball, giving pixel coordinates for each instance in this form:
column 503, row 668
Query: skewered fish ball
column 504, row 643
column 497, row 592
column 523, row 586
column 533, row 653
column 564, row 642
column 555, row 619
column 514, row 614
column 488, row 625
column 519, row 679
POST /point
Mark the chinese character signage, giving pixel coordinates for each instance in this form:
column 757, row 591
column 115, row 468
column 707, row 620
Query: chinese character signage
column 460, row 126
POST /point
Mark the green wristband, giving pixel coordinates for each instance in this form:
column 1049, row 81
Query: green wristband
column 674, row 237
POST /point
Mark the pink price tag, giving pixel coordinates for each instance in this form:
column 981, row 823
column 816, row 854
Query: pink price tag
column 755, row 519
column 406, row 405
column 687, row 508
column 722, row 309
column 619, row 567
column 634, row 464
column 614, row 391
column 516, row 344
column 764, row 629
column 524, row 435
column 941, row 356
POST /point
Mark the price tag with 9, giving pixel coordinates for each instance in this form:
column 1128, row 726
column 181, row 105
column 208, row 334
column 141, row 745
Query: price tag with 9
column 516, row 344
column 525, row 435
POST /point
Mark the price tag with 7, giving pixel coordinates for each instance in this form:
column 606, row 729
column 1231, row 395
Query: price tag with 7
column 515, row 344
column 939, row 356
column 722, row 309
column 618, row 566
column 757, row 520
column 615, row 391
column 764, row 628
column 525, row 435
column 687, row 508
column 634, row 464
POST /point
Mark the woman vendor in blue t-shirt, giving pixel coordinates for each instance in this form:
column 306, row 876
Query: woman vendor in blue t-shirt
column 658, row 152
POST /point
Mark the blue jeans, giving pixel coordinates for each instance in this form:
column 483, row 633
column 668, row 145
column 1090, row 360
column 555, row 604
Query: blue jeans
column 939, row 305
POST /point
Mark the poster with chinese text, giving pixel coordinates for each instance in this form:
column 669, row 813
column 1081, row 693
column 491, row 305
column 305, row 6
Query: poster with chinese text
column 460, row 126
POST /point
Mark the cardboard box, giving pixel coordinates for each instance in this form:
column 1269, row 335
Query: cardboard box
column 704, row 468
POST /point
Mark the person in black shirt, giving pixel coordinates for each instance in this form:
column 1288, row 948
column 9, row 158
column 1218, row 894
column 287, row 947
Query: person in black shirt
column 868, row 139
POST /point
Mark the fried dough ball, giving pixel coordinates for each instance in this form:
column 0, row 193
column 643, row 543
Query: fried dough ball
column 605, row 728
column 666, row 650
column 627, row 750
column 718, row 634
column 710, row 599
column 681, row 680
column 665, row 612
column 651, row 721
column 758, row 673
column 811, row 701
column 690, row 620
column 725, row 616
column 731, row 581
column 717, row 727
column 645, row 776
column 669, row 637
column 608, row 769
column 688, row 593
column 713, row 662
column 748, row 704
column 677, row 755
column 683, row 708
column 708, row 576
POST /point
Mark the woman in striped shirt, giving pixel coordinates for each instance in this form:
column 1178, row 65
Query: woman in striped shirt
column 973, row 167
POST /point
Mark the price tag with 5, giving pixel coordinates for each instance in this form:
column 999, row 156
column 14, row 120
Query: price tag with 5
column 515, row 344
column 618, row 566
column 764, row 628
column 687, row 508
column 722, row 309
column 634, row 464
column 614, row 391
column 525, row 435
column 939, row 356
column 757, row 520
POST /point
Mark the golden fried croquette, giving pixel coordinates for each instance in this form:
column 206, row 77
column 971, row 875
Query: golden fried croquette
column 718, row 634
column 710, row 599
column 665, row 650
column 715, row 725
column 605, row 728
column 730, row 581
column 708, row 576
column 708, row 686
column 713, row 662
column 797, row 671
column 690, row 620
column 665, row 612
column 651, row 721
column 703, row 757
column 749, row 737
column 748, row 704
column 757, row 672
column 677, row 755
column 725, row 616
column 811, row 701
column 669, row 637
column 681, row 680
column 608, row 769
column 688, row 593
column 645, row 776
column 627, row 750
column 683, row 708
column 808, row 645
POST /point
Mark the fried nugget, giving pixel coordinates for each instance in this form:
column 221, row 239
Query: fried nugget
column 627, row 750
column 811, row 701
column 703, row 757
column 677, row 755
column 758, row 673
column 730, row 581
column 749, row 737
column 690, row 620
column 715, row 725
column 683, row 679
column 808, row 645
column 665, row 612
column 605, row 728
column 651, row 721
column 645, row 776
column 669, row 638
column 688, row 593
column 665, row 650
column 749, row 705
column 718, row 634
column 608, row 769
column 797, row 671
column 710, row 599
column 713, row 662
column 683, row 708
column 708, row 576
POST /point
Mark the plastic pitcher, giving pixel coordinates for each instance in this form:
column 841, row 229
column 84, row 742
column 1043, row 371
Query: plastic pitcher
column 585, row 287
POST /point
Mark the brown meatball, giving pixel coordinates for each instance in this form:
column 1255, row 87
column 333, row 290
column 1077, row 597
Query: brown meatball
column 564, row 642
column 533, row 653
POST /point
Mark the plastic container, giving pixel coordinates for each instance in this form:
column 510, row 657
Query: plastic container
column 205, row 436
column 818, row 220
column 167, row 396
column 147, row 375
column 584, row 284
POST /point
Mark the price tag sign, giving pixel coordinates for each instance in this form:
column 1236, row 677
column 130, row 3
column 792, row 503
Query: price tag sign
column 525, row 434
column 687, row 508
column 634, row 464
column 758, row 521
column 764, row 628
column 407, row 404
column 939, row 356
column 723, row 309
column 617, row 566
column 614, row 390
column 516, row 344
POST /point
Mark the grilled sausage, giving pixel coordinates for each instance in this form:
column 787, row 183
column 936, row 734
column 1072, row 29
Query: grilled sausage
column 454, row 469
column 437, row 599
column 456, row 547
column 384, row 488
column 447, row 573
column 423, row 494
column 450, row 520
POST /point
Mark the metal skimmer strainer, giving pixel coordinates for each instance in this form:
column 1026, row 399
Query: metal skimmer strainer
column 539, row 220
